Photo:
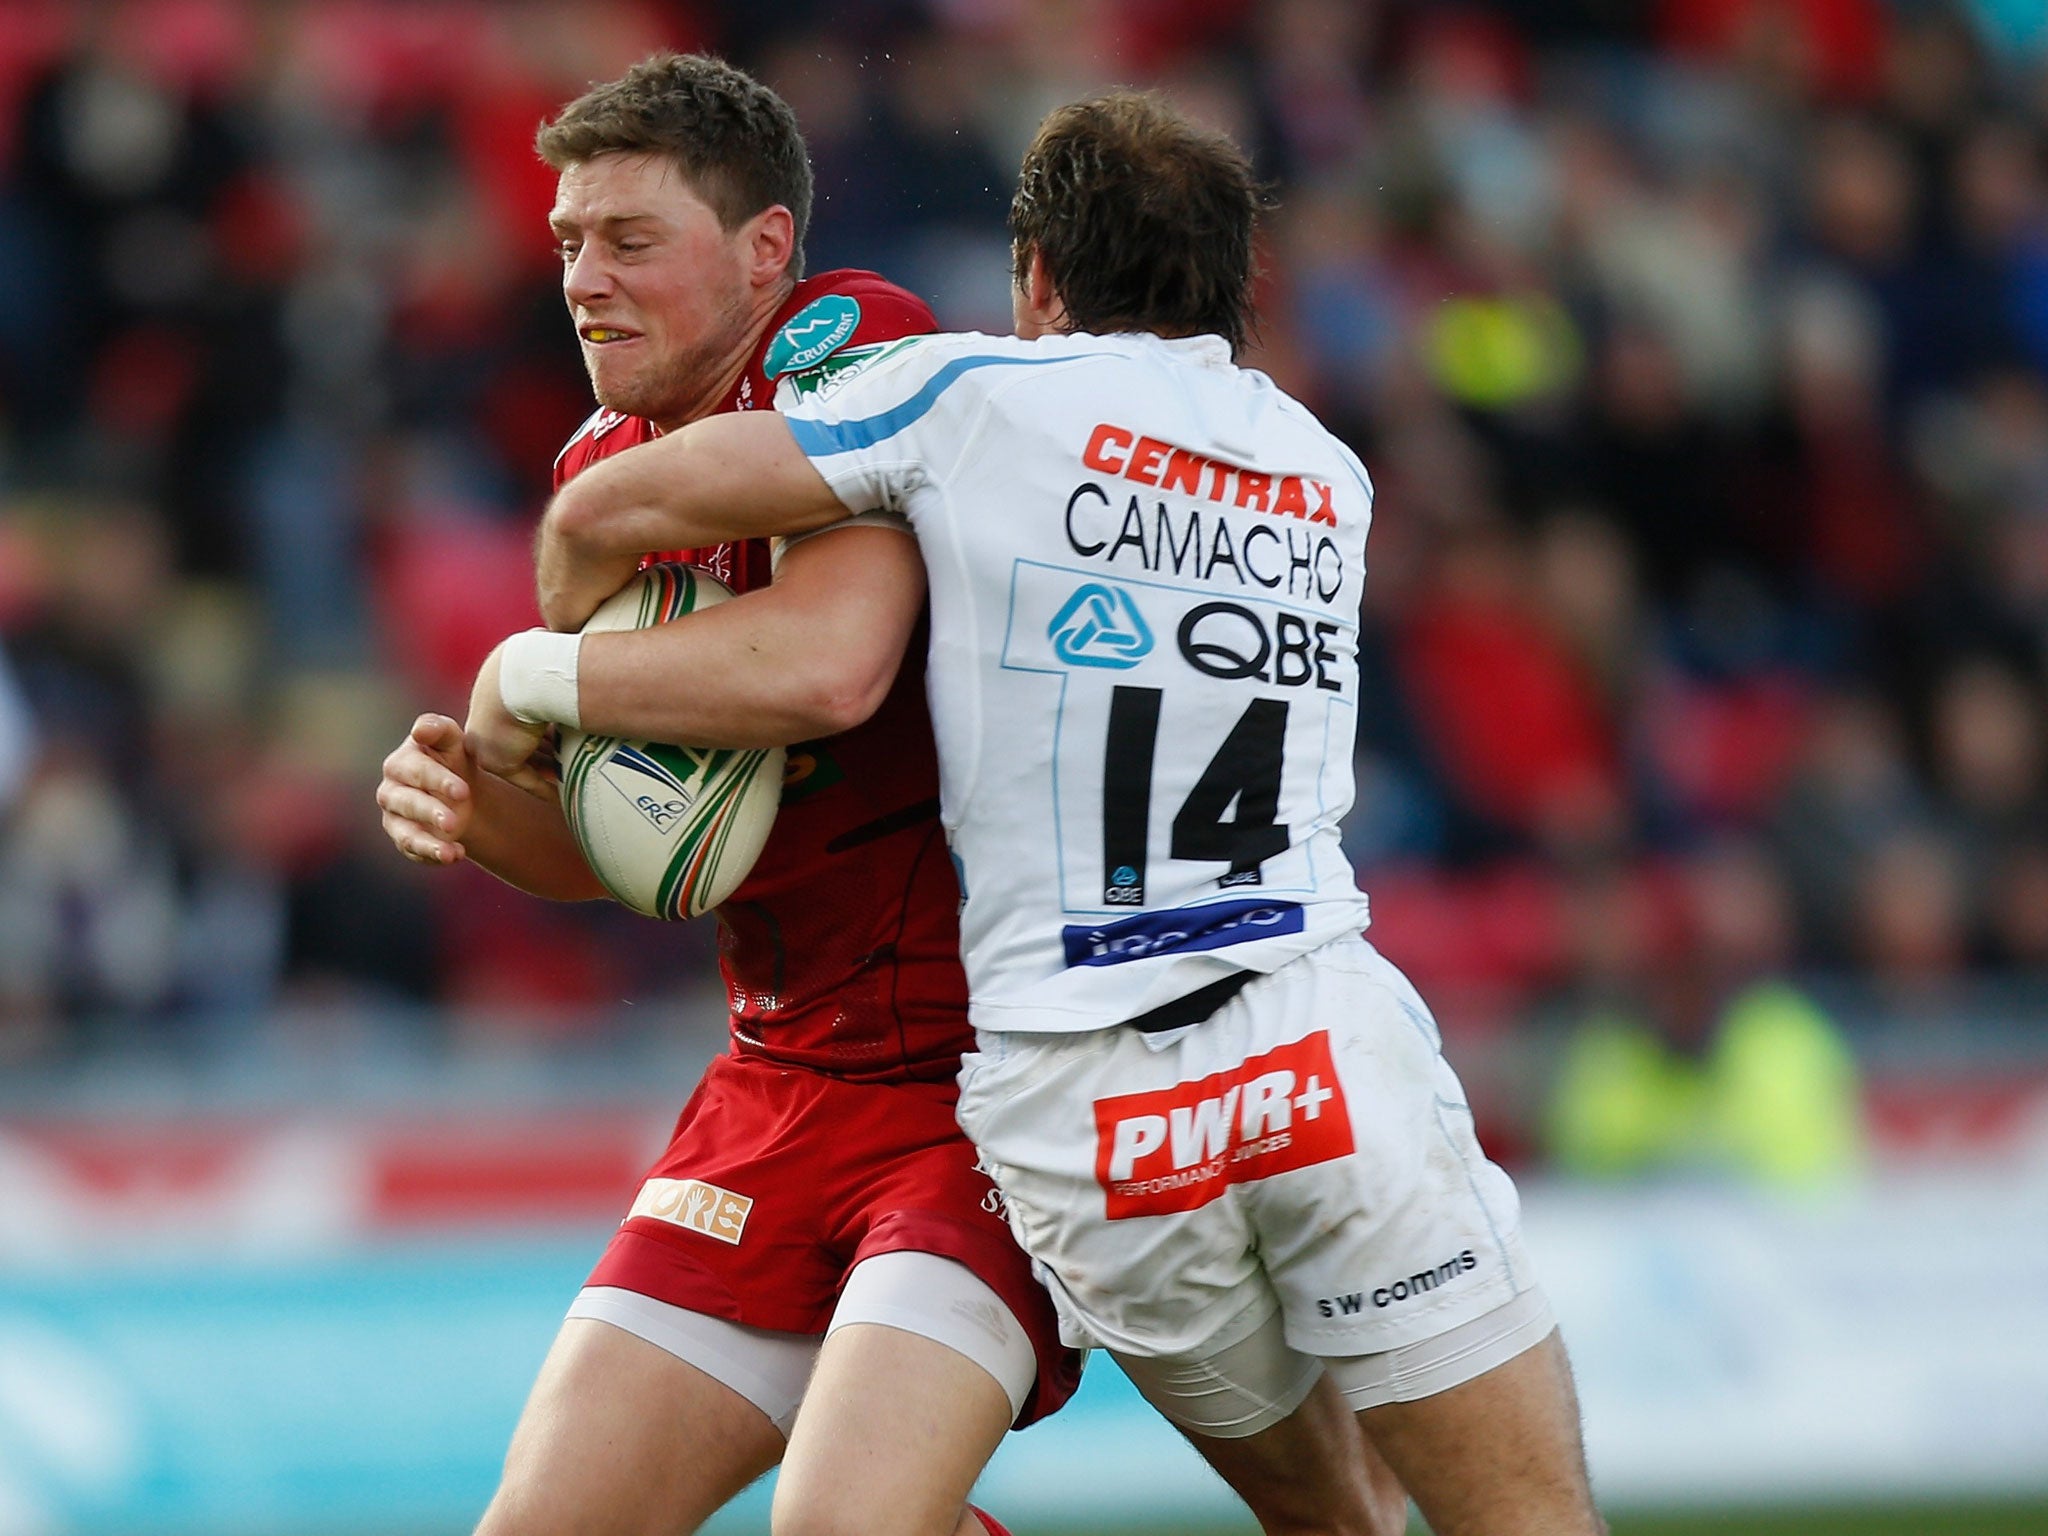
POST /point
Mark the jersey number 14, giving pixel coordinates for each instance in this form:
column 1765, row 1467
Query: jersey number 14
column 1245, row 769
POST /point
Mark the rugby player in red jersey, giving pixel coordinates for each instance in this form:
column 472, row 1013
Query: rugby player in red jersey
column 815, row 1272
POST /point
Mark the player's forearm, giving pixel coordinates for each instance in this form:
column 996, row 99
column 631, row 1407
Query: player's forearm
column 810, row 655
column 733, row 476
column 592, row 538
column 525, row 842
column 720, row 684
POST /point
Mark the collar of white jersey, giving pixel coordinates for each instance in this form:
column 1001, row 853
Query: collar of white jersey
column 1208, row 349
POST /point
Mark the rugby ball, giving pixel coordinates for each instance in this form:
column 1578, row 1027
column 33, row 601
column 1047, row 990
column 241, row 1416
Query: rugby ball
column 670, row 831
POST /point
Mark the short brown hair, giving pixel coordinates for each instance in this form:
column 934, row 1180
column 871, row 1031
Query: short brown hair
column 736, row 140
column 1143, row 219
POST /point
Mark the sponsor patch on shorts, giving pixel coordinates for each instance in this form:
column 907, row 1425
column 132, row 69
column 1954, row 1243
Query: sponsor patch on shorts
column 1408, row 1287
column 694, row 1204
column 1176, row 1149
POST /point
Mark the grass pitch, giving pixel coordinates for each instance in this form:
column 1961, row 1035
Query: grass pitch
column 2030, row 1519
column 1987, row 1519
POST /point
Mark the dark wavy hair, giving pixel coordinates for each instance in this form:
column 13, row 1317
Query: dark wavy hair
column 1143, row 219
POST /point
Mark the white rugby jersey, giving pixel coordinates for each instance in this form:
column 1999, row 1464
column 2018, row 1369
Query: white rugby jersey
column 1145, row 568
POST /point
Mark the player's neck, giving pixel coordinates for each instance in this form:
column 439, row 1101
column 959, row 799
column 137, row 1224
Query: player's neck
column 725, row 373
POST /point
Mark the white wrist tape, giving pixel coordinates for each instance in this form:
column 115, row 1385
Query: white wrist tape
column 537, row 677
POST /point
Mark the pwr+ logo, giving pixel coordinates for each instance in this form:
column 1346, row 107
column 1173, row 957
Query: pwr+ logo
column 1178, row 1148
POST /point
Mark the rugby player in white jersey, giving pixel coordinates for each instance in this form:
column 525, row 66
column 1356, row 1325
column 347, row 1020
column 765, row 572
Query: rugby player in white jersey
column 1222, row 1122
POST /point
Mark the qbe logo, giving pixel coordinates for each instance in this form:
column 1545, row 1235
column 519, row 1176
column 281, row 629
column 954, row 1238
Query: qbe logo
column 1178, row 1148
column 1100, row 626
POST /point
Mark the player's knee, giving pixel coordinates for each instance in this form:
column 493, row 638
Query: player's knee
column 1289, row 1515
column 1387, row 1508
column 529, row 1507
column 1319, row 1505
column 812, row 1519
column 1343, row 1499
column 851, row 1516
column 1298, row 1523
column 512, row 1514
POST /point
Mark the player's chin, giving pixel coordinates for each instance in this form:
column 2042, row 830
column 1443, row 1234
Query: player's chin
column 618, row 384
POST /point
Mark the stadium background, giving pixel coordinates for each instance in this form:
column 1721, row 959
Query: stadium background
column 1700, row 352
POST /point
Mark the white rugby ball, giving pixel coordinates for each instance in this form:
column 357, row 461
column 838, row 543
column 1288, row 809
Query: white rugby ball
column 671, row 831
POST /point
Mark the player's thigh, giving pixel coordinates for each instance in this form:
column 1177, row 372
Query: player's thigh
column 892, row 1435
column 1497, row 1455
column 1277, row 1430
column 620, row 1437
column 924, row 1369
column 1314, row 1471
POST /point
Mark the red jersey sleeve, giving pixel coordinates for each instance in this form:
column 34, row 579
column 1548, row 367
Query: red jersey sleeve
column 887, row 313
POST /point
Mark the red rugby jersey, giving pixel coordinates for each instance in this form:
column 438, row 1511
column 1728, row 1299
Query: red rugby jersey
column 841, row 951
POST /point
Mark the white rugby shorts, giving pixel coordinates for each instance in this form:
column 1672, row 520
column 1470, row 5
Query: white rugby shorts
column 1306, row 1149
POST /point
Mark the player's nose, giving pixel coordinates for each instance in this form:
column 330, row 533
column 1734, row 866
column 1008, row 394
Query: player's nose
column 586, row 278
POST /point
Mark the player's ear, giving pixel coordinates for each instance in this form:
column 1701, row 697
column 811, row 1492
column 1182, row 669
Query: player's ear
column 771, row 244
column 1039, row 307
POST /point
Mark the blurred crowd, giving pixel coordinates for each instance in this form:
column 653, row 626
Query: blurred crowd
column 1699, row 349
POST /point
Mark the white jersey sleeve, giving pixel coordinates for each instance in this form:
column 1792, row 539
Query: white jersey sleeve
column 1146, row 567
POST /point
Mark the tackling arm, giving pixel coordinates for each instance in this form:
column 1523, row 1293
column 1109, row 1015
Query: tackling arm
column 812, row 654
column 736, row 475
